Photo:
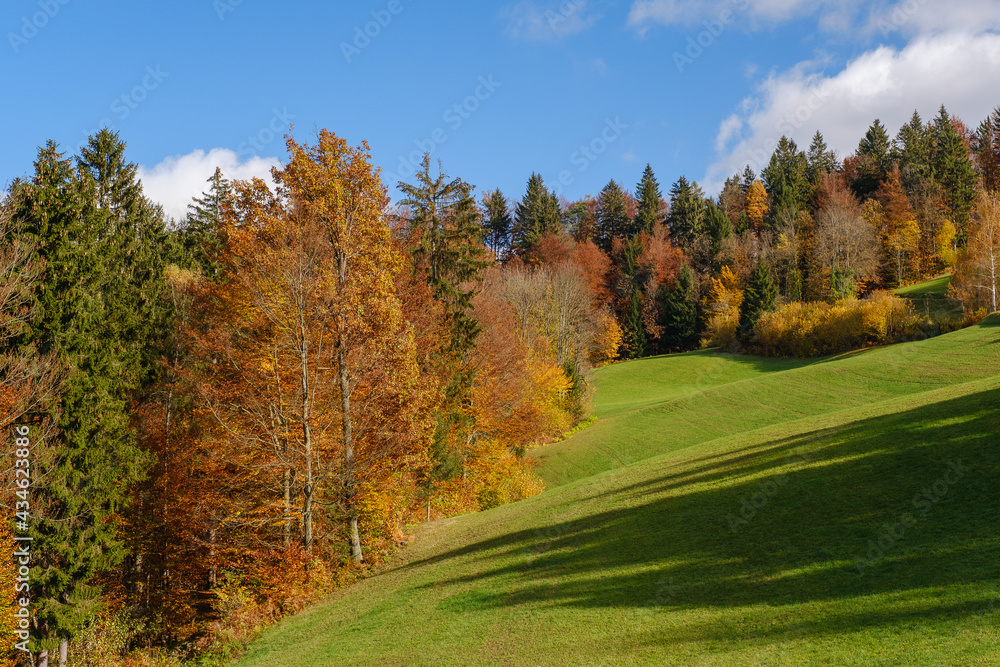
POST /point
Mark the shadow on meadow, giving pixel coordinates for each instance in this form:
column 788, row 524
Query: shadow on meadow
column 888, row 505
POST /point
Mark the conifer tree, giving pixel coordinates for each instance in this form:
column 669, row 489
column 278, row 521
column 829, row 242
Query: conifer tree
column 678, row 313
column 199, row 232
column 786, row 177
column 819, row 159
column 986, row 147
column 875, row 160
column 612, row 216
column 496, row 222
column 758, row 298
column 953, row 170
column 445, row 222
column 717, row 225
column 687, row 212
column 647, row 195
column 97, row 309
column 536, row 215
column 911, row 150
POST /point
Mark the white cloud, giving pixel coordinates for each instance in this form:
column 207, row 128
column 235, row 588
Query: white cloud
column 882, row 17
column 729, row 128
column 959, row 70
column 177, row 179
column 913, row 17
column 530, row 22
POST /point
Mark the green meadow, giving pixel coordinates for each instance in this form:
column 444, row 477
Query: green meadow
column 723, row 510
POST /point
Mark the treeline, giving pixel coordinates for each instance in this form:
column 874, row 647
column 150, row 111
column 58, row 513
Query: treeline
column 686, row 269
column 236, row 413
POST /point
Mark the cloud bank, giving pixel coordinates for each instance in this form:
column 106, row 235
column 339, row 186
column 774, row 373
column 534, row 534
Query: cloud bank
column 175, row 181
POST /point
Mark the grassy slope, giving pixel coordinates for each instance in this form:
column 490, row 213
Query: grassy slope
column 738, row 547
column 935, row 287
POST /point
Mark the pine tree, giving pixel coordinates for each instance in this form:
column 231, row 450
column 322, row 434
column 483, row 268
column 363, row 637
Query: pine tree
column 953, row 170
column 95, row 308
column 199, row 231
column 496, row 222
column 536, row 215
column 786, row 177
column 678, row 313
column 717, row 226
column 986, row 147
column 758, row 298
column 446, row 225
column 747, row 179
column 819, row 159
column 647, row 194
column 687, row 212
column 875, row 161
column 629, row 286
column 613, row 220
column 911, row 150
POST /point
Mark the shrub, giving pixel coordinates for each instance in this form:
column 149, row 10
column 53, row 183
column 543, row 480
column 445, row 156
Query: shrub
column 817, row 328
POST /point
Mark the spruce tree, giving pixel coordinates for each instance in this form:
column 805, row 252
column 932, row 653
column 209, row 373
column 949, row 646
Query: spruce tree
column 758, row 298
column 819, row 159
column 874, row 161
column 986, row 148
column 613, row 220
column 445, row 222
column 678, row 313
column 786, row 177
column 911, row 149
column 536, row 215
column 717, row 226
column 496, row 222
column 199, row 231
column 647, row 195
column 953, row 171
column 687, row 212
column 97, row 309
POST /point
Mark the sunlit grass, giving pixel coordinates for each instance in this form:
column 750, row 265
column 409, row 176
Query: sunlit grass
column 762, row 521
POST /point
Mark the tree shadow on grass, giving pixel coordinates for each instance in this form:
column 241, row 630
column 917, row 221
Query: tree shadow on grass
column 888, row 505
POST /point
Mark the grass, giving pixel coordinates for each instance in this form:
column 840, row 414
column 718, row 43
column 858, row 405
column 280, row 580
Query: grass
column 933, row 288
column 930, row 299
column 768, row 513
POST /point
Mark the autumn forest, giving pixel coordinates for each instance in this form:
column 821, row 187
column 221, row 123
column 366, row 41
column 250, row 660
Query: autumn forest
column 233, row 414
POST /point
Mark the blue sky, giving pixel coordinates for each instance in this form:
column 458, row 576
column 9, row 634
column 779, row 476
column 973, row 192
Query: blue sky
column 581, row 91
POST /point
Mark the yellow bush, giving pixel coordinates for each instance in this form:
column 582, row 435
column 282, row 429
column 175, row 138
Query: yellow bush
column 817, row 328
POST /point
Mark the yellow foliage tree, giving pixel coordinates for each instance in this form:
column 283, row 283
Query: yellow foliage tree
column 756, row 204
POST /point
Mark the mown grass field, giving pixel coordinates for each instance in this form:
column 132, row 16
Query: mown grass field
column 930, row 299
column 723, row 511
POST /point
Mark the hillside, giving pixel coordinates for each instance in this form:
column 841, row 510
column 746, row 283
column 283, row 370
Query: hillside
column 724, row 510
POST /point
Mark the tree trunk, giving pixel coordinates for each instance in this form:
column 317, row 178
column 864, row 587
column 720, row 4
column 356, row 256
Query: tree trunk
column 343, row 376
column 43, row 659
column 308, row 484
column 63, row 652
column 286, row 483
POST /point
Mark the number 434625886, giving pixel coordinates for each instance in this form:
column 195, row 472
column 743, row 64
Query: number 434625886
column 21, row 472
